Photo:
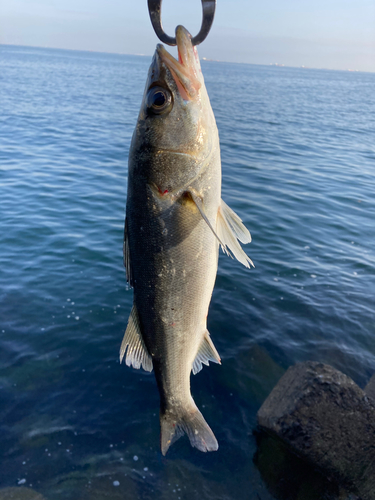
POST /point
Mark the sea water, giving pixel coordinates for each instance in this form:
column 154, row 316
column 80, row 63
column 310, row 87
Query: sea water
column 298, row 158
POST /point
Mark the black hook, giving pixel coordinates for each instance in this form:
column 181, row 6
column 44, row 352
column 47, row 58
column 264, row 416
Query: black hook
column 208, row 8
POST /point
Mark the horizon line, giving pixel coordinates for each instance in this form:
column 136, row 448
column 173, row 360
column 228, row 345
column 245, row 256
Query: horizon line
column 202, row 58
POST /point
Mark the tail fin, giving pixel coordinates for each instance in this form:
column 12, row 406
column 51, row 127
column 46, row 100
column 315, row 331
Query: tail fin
column 191, row 422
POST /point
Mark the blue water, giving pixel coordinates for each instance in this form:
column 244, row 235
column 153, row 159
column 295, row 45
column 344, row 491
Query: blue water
column 298, row 154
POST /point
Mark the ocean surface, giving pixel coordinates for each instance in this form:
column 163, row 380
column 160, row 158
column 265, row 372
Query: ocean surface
column 298, row 160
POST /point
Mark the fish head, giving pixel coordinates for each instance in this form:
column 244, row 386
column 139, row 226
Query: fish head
column 176, row 125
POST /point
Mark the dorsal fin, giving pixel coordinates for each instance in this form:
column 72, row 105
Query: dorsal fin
column 206, row 352
column 133, row 345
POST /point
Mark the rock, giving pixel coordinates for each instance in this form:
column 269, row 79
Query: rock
column 253, row 372
column 324, row 417
column 19, row 494
column 370, row 388
column 289, row 477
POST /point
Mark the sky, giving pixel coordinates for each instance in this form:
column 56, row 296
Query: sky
column 331, row 34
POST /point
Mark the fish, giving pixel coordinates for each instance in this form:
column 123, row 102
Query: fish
column 175, row 222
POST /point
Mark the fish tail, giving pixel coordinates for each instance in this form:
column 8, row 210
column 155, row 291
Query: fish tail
column 191, row 422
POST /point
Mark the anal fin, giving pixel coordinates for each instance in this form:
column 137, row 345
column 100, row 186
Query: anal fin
column 133, row 345
column 207, row 352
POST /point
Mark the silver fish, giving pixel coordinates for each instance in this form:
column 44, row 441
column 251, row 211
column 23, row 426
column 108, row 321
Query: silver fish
column 175, row 221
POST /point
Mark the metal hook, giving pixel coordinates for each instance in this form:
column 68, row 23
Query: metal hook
column 208, row 8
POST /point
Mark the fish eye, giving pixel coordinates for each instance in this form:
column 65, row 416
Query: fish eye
column 158, row 100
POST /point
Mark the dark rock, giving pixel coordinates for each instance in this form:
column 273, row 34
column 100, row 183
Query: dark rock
column 253, row 372
column 288, row 477
column 16, row 493
column 324, row 417
column 370, row 388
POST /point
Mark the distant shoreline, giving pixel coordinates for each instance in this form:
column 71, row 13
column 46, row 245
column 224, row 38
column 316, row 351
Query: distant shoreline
column 205, row 59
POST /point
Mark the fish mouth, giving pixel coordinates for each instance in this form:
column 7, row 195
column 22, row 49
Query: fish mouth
column 186, row 71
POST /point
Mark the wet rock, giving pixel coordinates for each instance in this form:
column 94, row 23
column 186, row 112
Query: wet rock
column 19, row 494
column 117, row 487
column 324, row 417
column 287, row 477
column 252, row 372
column 370, row 388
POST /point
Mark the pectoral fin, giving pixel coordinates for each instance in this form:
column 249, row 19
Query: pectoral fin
column 126, row 254
column 230, row 229
column 207, row 352
column 133, row 345
column 199, row 203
